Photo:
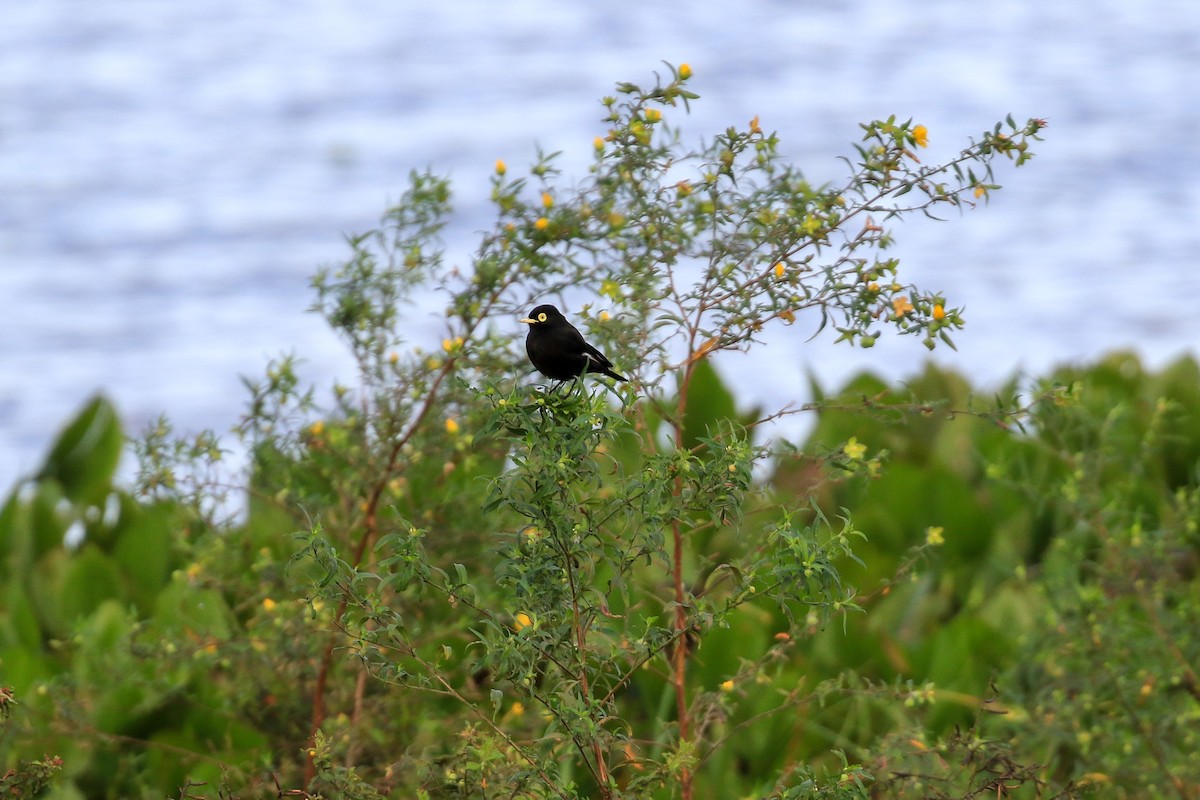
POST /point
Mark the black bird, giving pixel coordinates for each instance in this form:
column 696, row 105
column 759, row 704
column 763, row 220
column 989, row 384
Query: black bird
column 558, row 350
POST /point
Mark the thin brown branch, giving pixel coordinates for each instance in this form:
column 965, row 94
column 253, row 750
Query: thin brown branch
column 680, row 651
column 370, row 527
column 600, row 768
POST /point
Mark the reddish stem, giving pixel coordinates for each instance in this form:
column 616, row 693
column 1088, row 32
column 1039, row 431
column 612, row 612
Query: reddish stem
column 679, row 654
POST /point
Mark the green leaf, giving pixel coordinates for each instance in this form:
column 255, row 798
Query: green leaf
column 708, row 403
column 20, row 623
column 143, row 548
column 47, row 522
column 91, row 577
column 194, row 612
column 25, row 668
column 14, row 536
column 85, row 456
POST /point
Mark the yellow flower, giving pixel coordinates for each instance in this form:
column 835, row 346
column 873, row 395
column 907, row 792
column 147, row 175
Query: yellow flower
column 727, row 686
column 521, row 621
column 980, row 191
column 317, row 428
column 873, row 287
column 652, row 115
column 501, row 167
column 542, row 223
column 939, row 312
column 605, row 316
column 788, row 316
column 268, row 604
column 854, row 449
column 452, row 426
column 754, row 128
column 901, row 306
column 517, row 709
column 933, row 535
column 685, row 71
column 779, row 270
column 598, row 143
column 547, row 199
column 920, row 135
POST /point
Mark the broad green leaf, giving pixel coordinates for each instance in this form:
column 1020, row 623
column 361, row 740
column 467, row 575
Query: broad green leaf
column 197, row 613
column 14, row 535
column 47, row 518
column 18, row 621
column 708, row 403
column 90, row 578
column 25, row 669
column 85, row 456
column 143, row 548
column 42, row 582
column 102, row 642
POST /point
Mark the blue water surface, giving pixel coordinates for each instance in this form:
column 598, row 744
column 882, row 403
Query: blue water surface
column 172, row 174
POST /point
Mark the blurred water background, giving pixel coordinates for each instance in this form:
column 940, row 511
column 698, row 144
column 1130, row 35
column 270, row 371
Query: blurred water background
column 171, row 174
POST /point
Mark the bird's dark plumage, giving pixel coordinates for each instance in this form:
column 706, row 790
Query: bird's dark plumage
column 558, row 349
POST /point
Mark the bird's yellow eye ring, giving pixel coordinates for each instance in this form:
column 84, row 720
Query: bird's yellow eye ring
column 541, row 317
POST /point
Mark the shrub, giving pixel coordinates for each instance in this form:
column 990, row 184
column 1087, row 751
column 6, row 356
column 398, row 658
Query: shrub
column 534, row 590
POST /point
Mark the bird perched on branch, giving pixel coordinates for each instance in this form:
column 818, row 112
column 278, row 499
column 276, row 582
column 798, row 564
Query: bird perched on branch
column 558, row 349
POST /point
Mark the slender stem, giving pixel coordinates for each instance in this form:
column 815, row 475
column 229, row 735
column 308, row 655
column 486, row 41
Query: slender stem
column 370, row 525
column 487, row 720
column 601, row 768
column 679, row 653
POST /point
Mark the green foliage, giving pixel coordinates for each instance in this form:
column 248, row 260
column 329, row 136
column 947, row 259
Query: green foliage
column 1109, row 676
column 28, row 778
column 85, row 455
column 537, row 565
column 447, row 582
column 1049, row 597
column 96, row 614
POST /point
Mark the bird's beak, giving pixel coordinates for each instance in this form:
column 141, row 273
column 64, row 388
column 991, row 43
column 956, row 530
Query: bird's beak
column 528, row 321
